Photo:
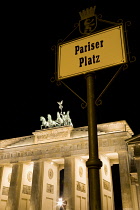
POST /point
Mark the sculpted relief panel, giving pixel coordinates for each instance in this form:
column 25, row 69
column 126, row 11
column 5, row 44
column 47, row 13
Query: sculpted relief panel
column 64, row 147
column 50, row 188
column 106, row 185
column 52, row 135
column 26, row 189
column 5, row 190
column 38, row 151
column 81, row 187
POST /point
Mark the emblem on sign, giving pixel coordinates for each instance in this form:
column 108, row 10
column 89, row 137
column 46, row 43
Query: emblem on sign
column 88, row 21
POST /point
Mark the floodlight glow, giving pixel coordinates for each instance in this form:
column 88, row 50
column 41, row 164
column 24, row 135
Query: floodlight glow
column 60, row 202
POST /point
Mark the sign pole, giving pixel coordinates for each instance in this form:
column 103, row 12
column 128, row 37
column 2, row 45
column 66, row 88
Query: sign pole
column 93, row 163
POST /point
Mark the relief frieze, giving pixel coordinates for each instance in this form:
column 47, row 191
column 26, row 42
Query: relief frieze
column 42, row 137
column 55, row 135
column 50, row 188
column 26, row 189
column 5, row 190
column 106, row 185
column 81, row 187
column 41, row 151
column 105, row 143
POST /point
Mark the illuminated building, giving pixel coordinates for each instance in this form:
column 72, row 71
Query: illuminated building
column 30, row 168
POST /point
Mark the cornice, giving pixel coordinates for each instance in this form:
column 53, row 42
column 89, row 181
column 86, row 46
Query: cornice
column 62, row 148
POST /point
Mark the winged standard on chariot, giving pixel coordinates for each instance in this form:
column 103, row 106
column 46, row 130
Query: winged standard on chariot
column 63, row 119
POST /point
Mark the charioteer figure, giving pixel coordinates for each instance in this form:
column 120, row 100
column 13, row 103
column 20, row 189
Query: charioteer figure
column 63, row 119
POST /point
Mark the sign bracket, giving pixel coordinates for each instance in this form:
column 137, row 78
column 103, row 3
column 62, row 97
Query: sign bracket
column 83, row 105
column 98, row 101
column 131, row 59
column 70, row 53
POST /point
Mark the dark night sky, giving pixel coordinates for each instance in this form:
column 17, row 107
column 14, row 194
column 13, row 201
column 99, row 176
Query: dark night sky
column 29, row 30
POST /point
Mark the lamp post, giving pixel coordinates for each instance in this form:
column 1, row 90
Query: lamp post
column 62, row 204
column 93, row 163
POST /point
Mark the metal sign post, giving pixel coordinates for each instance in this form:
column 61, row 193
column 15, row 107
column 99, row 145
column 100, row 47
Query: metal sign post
column 85, row 55
column 93, row 163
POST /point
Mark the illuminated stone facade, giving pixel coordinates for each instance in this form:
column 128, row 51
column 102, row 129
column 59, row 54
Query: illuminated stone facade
column 30, row 168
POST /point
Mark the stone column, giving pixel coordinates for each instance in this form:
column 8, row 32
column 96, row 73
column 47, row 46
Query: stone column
column 1, row 173
column 138, row 184
column 75, row 183
column 37, row 186
column 15, row 187
column 137, row 160
column 134, row 193
column 138, row 195
column 125, row 181
column 69, row 186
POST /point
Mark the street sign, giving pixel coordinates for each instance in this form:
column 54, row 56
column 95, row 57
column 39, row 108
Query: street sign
column 91, row 53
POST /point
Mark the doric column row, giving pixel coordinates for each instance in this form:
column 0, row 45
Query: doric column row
column 35, row 185
column 29, row 186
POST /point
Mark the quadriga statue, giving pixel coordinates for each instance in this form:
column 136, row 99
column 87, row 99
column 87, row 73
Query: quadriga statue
column 63, row 119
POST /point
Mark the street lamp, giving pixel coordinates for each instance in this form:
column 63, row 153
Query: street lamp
column 62, row 204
